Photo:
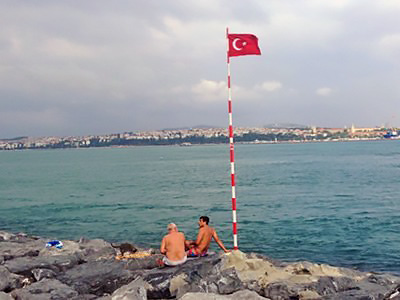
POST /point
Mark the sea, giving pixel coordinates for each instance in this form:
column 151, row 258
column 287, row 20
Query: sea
column 327, row 202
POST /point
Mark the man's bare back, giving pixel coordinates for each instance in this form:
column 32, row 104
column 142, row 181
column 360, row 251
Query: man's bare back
column 173, row 245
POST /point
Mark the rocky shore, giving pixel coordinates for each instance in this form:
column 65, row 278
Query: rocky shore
column 87, row 269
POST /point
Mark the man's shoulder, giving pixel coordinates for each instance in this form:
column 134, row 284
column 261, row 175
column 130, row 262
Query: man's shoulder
column 209, row 230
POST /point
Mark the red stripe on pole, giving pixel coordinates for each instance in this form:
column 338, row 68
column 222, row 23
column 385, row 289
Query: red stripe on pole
column 233, row 179
column 229, row 106
column 234, row 228
column 232, row 154
column 230, row 131
column 229, row 82
column 233, row 203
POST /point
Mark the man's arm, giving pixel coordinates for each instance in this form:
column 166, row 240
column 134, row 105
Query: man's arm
column 219, row 242
column 163, row 248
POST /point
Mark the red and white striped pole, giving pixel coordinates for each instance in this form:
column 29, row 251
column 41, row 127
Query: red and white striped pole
column 231, row 149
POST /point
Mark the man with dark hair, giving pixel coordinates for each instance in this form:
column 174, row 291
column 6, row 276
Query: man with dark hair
column 203, row 241
column 205, row 219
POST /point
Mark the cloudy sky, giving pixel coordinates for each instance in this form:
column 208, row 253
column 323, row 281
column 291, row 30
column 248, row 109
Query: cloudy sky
column 93, row 67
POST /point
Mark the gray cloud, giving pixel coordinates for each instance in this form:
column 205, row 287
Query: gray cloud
column 76, row 68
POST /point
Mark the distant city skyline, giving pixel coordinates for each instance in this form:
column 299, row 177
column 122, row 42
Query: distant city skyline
column 95, row 67
column 207, row 127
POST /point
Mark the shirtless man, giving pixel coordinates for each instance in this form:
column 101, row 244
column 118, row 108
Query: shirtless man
column 204, row 237
column 173, row 246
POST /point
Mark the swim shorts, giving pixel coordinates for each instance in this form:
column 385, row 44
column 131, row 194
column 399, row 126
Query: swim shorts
column 194, row 252
column 173, row 262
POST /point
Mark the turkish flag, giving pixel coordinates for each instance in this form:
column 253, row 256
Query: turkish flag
column 243, row 44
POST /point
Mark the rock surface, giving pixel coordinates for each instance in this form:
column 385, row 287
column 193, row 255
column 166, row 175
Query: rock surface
column 87, row 269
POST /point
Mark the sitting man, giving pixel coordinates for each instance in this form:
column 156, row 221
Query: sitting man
column 204, row 237
column 173, row 246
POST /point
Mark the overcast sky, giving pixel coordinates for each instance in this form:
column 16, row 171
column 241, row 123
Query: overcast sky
column 93, row 67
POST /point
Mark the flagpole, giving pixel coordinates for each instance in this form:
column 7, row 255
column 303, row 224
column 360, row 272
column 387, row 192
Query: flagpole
column 231, row 149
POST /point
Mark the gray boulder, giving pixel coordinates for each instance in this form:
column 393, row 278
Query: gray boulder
column 97, row 277
column 4, row 296
column 239, row 295
column 9, row 281
column 11, row 249
column 45, row 289
column 24, row 265
column 145, row 263
column 5, row 236
column 87, row 250
column 18, row 237
column 197, row 275
column 393, row 294
column 136, row 290
column 40, row 274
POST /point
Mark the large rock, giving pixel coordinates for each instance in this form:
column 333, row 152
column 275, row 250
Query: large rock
column 240, row 295
column 97, row 277
column 197, row 275
column 145, row 263
column 86, row 270
column 18, row 237
column 45, row 289
column 12, row 249
column 5, row 236
column 305, row 280
column 9, row 281
column 136, row 290
column 87, row 250
column 5, row 296
column 40, row 274
column 24, row 265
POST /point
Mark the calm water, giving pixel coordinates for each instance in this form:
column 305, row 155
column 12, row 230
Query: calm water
column 337, row 203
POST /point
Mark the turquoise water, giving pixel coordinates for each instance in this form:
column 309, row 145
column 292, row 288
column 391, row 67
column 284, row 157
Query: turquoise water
column 336, row 203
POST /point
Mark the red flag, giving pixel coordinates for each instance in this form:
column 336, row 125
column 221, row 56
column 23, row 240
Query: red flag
column 243, row 44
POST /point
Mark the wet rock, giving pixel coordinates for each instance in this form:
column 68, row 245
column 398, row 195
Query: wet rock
column 45, row 289
column 9, row 281
column 97, row 277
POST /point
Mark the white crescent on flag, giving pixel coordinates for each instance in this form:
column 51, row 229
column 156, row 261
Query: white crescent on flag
column 235, row 46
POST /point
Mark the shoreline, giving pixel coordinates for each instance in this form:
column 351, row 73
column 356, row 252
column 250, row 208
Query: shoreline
column 209, row 144
column 90, row 269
